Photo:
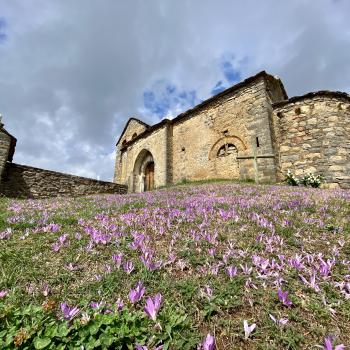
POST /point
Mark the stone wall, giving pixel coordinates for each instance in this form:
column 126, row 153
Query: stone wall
column 156, row 143
column 5, row 142
column 313, row 135
column 133, row 127
column 241, row 118
column 22, row 181
column 190, row 146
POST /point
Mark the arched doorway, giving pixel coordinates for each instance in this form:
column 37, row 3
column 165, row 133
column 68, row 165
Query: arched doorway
column 143, row 174
column 149, row 177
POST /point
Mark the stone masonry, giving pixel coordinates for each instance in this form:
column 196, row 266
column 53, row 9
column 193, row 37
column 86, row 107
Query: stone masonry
column 249, row 131
column 23, row 181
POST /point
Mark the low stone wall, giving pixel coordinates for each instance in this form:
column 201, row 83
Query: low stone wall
column 313, row 135
column 21, row 181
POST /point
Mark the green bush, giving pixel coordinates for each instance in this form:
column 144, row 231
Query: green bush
column 312, row 180
column 291, row 179
column 309, row 179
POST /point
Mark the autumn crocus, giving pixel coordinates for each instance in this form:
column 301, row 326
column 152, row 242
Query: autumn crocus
column 328, row 345
column 137, row 293
column 209, row 342
column 117, row 258
column 152, row 306
column 3, row 293
column 248, row 329
column 128, row 267
column 120, row 304
column 283, row 297
column 231, row 271
column 69, row 312
column 279, row 322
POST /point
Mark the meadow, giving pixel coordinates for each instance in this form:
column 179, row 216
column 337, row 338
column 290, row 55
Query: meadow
column 209, row 266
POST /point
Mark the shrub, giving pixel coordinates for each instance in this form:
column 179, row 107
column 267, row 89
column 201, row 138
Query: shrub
column 291, row 179
column 312, row 180
column 309, row 179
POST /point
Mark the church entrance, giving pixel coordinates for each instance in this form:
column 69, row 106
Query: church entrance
column 149, row 177
column 143, row 174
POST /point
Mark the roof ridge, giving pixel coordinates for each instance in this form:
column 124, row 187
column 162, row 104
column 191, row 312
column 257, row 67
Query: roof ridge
column 182, row 115
column 312, row 94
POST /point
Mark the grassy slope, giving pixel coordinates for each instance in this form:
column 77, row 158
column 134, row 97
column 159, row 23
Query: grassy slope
column 196, row 232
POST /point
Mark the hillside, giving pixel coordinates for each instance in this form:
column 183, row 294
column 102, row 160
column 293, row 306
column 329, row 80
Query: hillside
column 80, row 271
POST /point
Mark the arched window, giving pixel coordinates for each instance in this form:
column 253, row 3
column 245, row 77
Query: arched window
column 134, row 135
column 227, row 149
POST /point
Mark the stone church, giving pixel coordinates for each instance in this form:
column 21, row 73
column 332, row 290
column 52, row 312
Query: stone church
column 252, row 130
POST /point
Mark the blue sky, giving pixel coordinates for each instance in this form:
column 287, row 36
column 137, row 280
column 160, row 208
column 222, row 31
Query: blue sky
column 73, row 72
column 2, row 30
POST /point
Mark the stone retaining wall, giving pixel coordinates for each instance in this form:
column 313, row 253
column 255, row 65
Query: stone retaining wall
column 21, row 181
column 313, row 135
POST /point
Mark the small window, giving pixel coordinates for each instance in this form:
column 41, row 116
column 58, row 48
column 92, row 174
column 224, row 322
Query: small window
column 134, row 135
column 124, row 143
column 227, row 149
column 257, row 142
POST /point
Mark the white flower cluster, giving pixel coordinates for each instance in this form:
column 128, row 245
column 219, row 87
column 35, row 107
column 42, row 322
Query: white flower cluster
column 309, row 179
column 291, row 179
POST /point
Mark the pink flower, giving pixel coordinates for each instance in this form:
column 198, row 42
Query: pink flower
column 209, row 342
column 231, row 271
column 117, row 258
column 280, row 322
column 128, row 267
column 153, row 305
column 3, row 293
column 248, row 329
column 137, row 293
column 69, row 312
column 329, row 346
column 120, row 304
column 283, row 297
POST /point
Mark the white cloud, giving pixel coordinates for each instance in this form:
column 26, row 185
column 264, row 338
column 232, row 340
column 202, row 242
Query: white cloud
column 72, row 72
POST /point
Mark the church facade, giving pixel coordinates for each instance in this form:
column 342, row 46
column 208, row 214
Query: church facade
column 252, row 130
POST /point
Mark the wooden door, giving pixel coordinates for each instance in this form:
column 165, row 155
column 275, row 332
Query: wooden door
column 149, row 177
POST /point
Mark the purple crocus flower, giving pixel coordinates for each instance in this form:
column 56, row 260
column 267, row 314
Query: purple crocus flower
column 152, row 306
column 283, row 297
column 280, row 322
column 209, row 342
column 3, row 293
column 117, row 258
column 231, row 271
column 120, row 304
column 248, row 329
column 128, row 267
column 312, row 284
column 144, row 347
column 69, row 312
column 96, row 304
column 328, row 344
column 137, row 293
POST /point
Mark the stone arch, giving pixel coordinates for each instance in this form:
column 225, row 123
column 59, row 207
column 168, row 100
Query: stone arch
column 143, row 173
column 227, row 140
column 223, row 157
